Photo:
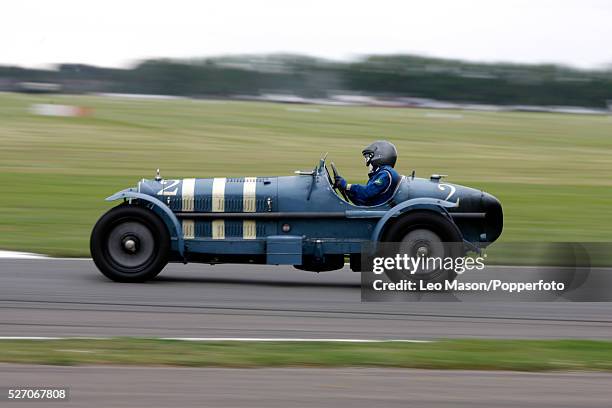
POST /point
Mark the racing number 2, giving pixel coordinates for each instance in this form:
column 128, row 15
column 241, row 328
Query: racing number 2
column 167, row 186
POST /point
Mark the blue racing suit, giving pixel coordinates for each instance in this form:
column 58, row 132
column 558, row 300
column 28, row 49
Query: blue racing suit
column 379, row 189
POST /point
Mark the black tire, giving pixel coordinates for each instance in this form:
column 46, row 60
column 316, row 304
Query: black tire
column 130, row 244
column 425, row 229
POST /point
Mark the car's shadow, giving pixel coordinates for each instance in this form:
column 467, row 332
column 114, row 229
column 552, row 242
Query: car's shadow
column 253, row 282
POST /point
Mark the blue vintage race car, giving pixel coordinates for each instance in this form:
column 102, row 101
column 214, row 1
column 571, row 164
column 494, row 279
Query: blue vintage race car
column 299, row 220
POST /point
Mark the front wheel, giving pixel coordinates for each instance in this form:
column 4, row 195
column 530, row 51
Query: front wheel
column 426, row 235
column 130, row 244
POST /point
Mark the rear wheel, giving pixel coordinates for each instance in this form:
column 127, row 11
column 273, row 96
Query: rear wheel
column 130, row 244
column 429, row 236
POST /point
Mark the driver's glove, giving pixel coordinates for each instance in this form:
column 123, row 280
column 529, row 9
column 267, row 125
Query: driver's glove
column 340, row 182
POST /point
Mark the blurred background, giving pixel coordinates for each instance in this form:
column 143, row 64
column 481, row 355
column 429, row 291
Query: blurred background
column 505, row 96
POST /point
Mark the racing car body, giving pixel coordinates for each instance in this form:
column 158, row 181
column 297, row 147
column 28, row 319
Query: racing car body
column 298, row 220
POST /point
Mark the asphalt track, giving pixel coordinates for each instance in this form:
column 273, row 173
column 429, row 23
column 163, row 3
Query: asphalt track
column 71, row 298
column 299, row 387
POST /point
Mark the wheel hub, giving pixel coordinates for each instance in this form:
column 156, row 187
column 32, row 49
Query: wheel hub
column 129, row 244
column 422, row 251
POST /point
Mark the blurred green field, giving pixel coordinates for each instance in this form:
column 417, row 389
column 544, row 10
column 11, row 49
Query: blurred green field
column 551, row 172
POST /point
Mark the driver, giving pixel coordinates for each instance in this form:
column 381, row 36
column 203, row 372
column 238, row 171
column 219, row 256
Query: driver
column 380, row 157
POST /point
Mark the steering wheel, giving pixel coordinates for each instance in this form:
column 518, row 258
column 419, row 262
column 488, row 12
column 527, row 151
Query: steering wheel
column 339, row 190
column 329, row 177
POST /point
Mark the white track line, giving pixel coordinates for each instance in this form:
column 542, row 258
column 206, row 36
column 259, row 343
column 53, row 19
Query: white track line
column 20, row 255
column 245, row 339
column 52, row 338
column 30, row 338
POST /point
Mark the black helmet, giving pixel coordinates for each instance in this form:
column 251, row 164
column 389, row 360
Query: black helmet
column 380, row 153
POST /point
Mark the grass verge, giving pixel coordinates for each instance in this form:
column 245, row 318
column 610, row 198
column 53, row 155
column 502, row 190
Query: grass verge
column 514, row 355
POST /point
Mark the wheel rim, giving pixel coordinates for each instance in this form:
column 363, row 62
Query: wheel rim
column 130, row 245
column 426, row 244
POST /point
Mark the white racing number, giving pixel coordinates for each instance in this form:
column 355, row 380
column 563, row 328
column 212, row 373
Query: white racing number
column 169, row 187
column 451, row 189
